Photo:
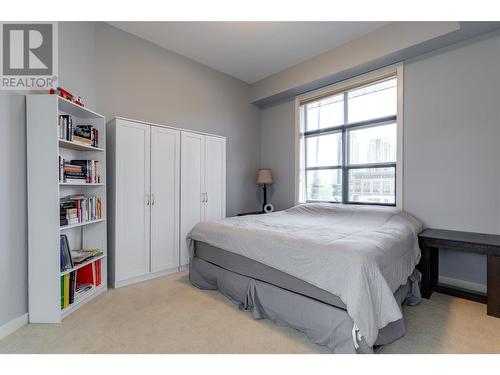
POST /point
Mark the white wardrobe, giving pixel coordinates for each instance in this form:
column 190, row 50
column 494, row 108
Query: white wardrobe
column 203, row 187
column 162, row 181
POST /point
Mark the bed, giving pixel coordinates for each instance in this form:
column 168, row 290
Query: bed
column 338, row 273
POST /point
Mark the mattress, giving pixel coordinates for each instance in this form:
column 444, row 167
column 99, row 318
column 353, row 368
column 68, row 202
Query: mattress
column 258, row 271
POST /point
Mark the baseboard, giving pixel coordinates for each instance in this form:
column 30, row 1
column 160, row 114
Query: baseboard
column 13, row 325
column 463, row 284
column 149, row 276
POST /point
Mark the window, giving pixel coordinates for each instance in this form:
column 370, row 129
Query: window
column 349, row 144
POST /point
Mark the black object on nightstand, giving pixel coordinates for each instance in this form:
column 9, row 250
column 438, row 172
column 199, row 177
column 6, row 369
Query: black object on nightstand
column 431, row 240
column 251, row 213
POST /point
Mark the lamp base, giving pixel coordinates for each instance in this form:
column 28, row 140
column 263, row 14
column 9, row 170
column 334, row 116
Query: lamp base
column 264, row 189
column 268, row 208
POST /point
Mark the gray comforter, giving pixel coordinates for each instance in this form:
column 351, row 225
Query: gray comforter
column 362, row 254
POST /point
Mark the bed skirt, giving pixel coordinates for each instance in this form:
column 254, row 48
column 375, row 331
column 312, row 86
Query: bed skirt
column 322, row 323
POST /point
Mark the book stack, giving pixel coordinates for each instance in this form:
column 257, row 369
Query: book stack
column 79, row 171
column 76, row 283
column 82, row 288
column 67, row 212
column 69, row 131
column 73, row 173
column 80, row 256
column 76, row 209
column 87, row 135
column 65, row 127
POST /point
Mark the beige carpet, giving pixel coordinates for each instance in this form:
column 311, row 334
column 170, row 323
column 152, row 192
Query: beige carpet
column 168, row 315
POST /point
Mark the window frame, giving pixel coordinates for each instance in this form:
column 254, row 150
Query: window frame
column 344, row 87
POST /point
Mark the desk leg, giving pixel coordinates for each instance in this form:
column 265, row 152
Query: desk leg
column 434, row 254
column 493, row 285
column 429, row 267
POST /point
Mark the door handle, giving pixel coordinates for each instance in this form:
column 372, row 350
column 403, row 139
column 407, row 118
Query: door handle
column 206, row 197
column 202, row 197
column 152, row 199
column 147, row 199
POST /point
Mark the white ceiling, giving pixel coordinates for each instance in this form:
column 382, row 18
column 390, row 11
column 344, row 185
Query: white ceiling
column 249, row 51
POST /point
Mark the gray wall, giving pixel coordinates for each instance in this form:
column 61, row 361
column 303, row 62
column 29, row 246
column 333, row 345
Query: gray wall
column 76, row 72
column 13, row 220
column 451, row 152
column 277, row 152
column 77, row 60
column 139, row 80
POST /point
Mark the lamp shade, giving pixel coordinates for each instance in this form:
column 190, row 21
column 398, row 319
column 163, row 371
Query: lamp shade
column 265, row 176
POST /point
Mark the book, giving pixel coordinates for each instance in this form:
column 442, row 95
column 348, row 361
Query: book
column 72, row 286
column 77, row 197
column 95, row 137
column 66, row 290
column 66, row 259
column 80, row 256
column 66, row 127
column 83, row 133
column 61, row 169
column 67, row 250
column 62, row 255
column 82, row 140
column 98, row 272
column 75, row 174
column 73, row 168
column 85, row 166
column 81, row 289
column 75, row 181
column 86, row 275
column 62, row 292
column 72, row 216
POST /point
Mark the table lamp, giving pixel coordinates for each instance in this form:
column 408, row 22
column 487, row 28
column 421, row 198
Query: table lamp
column 264, row 178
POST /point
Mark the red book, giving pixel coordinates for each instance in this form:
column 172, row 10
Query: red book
column 98, row 272
column 85, row 275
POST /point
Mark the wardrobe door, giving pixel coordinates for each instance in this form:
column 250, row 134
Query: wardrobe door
column 192, row 183
column 165, row 185
column 215, row 178
column 132, row 220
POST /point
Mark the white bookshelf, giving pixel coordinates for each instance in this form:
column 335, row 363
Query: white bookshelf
column 44, row 192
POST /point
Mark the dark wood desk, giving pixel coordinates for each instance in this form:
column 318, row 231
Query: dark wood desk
column 431, row 240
